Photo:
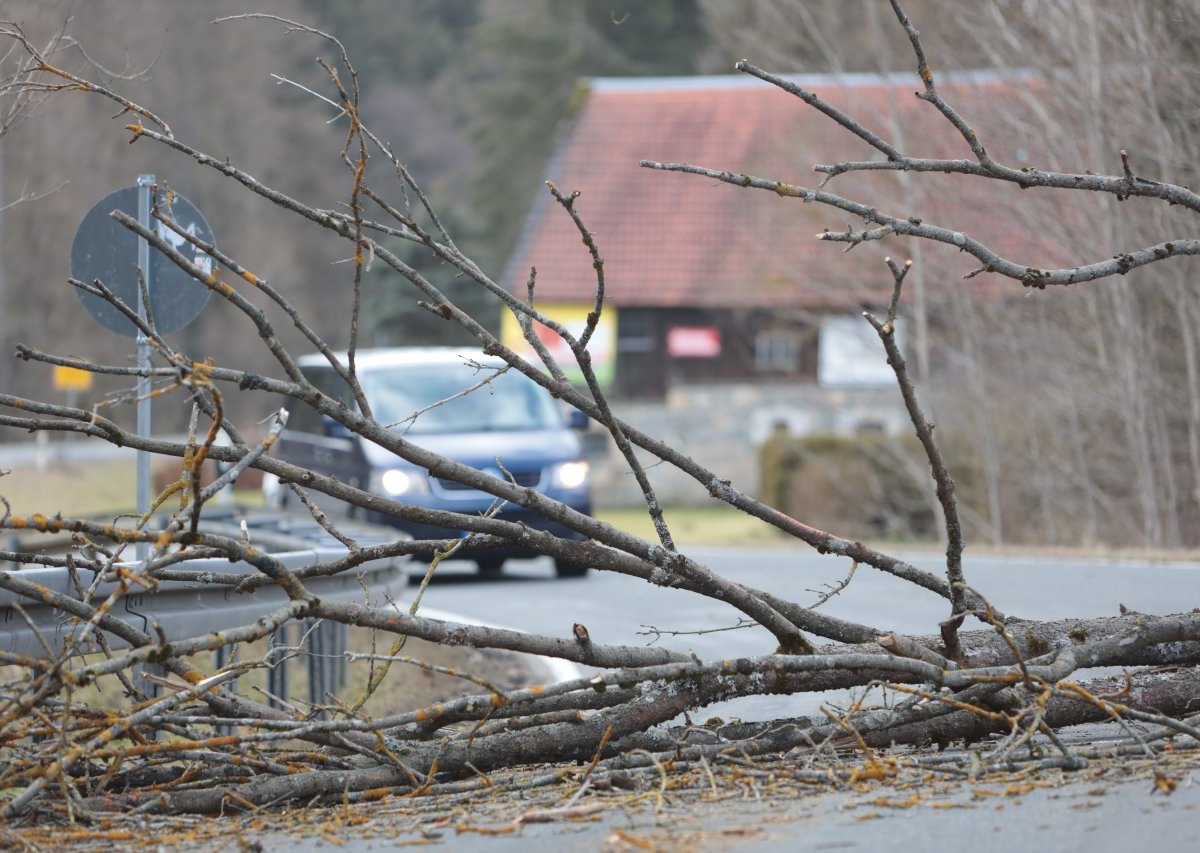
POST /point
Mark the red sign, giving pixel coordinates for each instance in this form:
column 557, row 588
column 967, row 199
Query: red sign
column 694, row 342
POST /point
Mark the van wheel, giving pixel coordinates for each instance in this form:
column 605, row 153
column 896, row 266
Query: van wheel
column 490, row 567
column 565, row 569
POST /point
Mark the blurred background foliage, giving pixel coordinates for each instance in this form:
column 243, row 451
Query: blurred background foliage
column 469, row 94
column 1074, row 420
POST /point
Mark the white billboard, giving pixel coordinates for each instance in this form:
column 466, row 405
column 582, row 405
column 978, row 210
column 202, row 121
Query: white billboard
column 850, row 354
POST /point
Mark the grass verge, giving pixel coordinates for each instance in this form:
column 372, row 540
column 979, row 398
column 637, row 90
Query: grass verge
column 108, row 488
column 705, row 525
column 71, row 488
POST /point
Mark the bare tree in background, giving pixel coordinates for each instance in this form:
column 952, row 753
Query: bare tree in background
column 1114, row 398
column 1008, row 675
column 149, row 51
column 1071, row 420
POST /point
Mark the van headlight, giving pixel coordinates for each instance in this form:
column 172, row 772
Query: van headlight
column 394, row 482
column 571, row 475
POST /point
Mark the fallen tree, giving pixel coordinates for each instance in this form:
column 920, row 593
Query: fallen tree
column 174, row 753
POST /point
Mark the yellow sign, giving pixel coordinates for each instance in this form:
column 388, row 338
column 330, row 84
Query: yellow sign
column 573, row 317
column 71, row 379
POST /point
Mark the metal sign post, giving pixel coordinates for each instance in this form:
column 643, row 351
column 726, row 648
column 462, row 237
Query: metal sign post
column 104, row 249
column 144, row 185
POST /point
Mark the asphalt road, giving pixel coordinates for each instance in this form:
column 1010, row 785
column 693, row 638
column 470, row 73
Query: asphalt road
column 622, row 610
column 1097, row 811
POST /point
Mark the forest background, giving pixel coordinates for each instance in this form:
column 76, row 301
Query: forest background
column 1072, row 421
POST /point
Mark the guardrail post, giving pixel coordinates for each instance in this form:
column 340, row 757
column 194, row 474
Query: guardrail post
column 339, row 633
column 220, row 660
column 277, row 674
column 318, row 669
column 151, row 688
column 326, row 661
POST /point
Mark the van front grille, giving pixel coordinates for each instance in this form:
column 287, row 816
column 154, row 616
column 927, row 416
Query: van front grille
column 528, row 478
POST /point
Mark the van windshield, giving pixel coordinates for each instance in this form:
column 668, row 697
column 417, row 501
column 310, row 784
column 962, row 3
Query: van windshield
column 509, row 402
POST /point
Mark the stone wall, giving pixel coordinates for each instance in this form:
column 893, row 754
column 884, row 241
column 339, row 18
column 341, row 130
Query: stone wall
column 722, row 425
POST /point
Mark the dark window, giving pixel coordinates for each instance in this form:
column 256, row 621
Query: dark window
column 641, row 369
column 777, row 351
column 429, row 398
column 636, row 332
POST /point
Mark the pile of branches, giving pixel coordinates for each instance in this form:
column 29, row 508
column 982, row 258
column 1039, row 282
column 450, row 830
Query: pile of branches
column 201, row 746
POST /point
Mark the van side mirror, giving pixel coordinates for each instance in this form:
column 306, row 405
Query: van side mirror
column 577, row 420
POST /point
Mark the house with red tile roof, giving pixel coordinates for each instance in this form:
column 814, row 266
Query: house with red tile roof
column 711, row 283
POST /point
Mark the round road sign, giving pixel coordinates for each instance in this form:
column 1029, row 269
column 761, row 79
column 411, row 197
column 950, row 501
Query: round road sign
column 106, row 250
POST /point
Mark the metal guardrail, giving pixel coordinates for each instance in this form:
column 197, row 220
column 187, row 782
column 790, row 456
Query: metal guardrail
column 184, row 609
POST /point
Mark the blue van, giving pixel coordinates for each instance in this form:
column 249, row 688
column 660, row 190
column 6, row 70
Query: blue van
column 507, row 426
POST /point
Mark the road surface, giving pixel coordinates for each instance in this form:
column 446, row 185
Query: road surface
column 621, row 610
column 1096, row 810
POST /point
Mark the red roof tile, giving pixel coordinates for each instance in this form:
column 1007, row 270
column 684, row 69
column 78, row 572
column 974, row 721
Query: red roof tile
column 671, row 239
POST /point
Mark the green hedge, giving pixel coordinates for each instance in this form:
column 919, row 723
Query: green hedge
column 861, row 486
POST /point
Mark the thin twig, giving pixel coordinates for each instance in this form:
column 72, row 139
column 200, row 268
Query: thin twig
column 886, row 329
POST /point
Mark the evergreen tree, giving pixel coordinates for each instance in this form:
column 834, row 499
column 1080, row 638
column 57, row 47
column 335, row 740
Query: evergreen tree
column 522, row 69
column 391, row 302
